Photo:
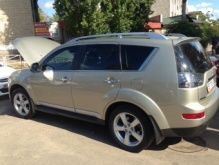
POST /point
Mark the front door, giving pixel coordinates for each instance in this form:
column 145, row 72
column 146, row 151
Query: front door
column 52, row 86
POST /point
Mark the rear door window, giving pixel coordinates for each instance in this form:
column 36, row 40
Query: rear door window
column 134, row 57
column 100, row 57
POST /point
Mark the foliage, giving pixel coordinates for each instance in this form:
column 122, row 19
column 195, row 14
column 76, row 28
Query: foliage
column 206, row 31
column 186, row 28
column 55, row 18
column 86, row 17
column 43, row 17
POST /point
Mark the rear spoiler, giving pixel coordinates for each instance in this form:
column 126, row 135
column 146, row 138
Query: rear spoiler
column 185, row 40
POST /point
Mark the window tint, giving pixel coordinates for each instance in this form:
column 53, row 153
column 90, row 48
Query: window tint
column 99, row 57
column 191, row 57
column 62, row 59
column 134, row 56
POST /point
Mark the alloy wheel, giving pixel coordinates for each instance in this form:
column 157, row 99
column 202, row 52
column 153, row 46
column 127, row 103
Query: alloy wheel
column 21, row 104
column 128, row 129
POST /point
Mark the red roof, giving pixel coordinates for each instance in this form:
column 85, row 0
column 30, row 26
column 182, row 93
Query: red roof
column 155, row 25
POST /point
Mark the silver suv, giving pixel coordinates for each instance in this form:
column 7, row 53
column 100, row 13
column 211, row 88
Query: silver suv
column 143, row 86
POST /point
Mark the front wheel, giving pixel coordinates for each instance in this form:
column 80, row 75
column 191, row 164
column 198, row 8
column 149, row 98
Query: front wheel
column 130, row 128
column 22, row 104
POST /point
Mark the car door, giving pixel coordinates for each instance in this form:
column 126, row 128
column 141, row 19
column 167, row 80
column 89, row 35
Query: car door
column 96, row 82
column 52, row 86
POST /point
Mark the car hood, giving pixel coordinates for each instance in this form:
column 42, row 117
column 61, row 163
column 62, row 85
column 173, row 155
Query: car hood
column 33, row 49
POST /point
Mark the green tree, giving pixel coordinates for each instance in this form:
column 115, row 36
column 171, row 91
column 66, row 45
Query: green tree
column 189, row 29
column 86, row 17
column 43, row 17
column 206, row 31
column 82, row 17
column 55, row 18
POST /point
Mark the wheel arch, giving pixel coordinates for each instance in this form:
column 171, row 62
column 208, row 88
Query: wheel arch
column 14, row 87
column 17, row 86
column 157, row 132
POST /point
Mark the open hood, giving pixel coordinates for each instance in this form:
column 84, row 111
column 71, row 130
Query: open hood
column 33, row 49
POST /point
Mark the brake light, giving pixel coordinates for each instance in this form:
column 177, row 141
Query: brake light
column 190, row 80
column 193, row 116
column 215, row 64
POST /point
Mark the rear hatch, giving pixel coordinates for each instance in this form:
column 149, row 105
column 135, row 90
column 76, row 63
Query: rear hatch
column 194, row 68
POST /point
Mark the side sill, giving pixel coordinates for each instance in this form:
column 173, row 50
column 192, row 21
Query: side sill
column 73, row 115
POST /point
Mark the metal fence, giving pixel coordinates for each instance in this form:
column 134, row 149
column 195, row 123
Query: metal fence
column 13, row 60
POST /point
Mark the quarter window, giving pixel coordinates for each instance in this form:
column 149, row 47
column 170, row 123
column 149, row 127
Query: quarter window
column 134, row 56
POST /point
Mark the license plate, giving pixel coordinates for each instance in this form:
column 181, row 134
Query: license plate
column 210, row 85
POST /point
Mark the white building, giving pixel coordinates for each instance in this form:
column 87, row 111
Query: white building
column 167, row 8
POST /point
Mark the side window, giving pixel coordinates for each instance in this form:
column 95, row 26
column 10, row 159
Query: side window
column 62, row 59
column 134, row 56
column 100, row 57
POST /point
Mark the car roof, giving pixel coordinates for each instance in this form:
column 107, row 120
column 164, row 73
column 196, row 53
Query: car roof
column 175, row 38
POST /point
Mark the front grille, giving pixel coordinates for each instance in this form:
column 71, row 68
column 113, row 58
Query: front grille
column 4, row 90
column 4, row 80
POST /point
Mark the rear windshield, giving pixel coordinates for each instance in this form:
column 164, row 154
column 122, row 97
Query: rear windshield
column 191, row 57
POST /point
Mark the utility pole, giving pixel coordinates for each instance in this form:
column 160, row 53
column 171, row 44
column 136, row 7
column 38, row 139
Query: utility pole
column 184, row 2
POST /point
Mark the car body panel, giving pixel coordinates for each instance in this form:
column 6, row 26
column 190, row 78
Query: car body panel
column 92, row 87
column 50, row 89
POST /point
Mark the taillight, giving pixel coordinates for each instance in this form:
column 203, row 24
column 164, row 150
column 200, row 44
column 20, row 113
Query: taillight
column 190, row 80
column 194, row 116
column 216, row 66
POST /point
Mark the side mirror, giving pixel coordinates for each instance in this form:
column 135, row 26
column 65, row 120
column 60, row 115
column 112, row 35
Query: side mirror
column 35, row 67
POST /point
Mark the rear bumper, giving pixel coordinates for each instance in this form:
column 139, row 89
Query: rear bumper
column 186, row 132
column 190, row 128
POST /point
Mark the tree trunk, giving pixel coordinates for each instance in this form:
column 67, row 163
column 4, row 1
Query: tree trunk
column 184, row 2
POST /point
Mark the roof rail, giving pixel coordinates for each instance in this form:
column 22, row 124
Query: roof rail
column 151, row 35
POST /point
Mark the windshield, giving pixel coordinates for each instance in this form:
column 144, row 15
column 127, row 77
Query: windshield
column 191, row 57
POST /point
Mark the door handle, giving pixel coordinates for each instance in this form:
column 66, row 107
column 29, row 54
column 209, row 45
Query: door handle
column 64, row 79
column 111, row 80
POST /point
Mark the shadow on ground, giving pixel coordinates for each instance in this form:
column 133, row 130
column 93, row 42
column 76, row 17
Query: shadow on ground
column 100, row 133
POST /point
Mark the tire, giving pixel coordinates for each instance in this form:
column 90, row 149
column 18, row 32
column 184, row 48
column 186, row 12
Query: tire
column 22, row 104
column 130, row 128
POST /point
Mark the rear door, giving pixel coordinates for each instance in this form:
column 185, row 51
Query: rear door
column 96, row 82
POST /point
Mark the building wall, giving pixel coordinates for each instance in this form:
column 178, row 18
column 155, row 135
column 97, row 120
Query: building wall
column 16, row 20
column 167, row 8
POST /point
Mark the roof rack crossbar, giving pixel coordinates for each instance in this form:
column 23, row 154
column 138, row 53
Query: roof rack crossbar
column 151, row 35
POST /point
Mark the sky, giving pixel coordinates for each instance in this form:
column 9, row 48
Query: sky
column 205, row 6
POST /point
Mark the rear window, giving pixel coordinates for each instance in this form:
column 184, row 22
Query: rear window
column 191, row 57
column 133, row 57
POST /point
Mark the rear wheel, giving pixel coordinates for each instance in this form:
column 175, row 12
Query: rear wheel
column 22, row 103
column 130, row 128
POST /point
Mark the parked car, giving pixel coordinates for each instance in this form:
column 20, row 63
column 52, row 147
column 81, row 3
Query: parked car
column 143, row 86
column 5, row 72
column 215, row 63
